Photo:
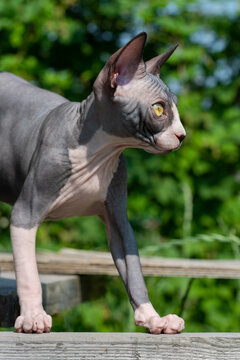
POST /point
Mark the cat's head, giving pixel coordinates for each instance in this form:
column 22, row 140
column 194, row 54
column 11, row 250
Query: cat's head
column 135, row 103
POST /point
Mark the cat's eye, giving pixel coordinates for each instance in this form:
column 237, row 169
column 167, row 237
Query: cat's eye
column 158, row 109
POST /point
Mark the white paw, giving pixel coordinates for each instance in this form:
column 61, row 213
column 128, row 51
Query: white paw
column 173, row 324
column 146, row 316
column 33, row 321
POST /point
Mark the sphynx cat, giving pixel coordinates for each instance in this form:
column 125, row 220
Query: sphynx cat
column 60, row 159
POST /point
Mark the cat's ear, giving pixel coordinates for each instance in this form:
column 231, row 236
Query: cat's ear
column 129, row 62
column 154, row 65
column 123, row 65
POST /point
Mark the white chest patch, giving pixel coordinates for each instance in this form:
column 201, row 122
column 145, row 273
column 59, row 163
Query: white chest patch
column 93, row 166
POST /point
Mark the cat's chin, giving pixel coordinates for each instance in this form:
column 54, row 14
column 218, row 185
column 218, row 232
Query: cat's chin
column 160, row 151
column 154, row 150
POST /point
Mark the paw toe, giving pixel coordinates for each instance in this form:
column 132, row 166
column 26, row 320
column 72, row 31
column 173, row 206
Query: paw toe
column 38, row 325
column 47, row 323
column 19, row 324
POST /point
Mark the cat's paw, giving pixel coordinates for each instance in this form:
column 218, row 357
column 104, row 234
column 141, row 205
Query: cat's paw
column 33, row 322
column 173, row 324
column 146, row 316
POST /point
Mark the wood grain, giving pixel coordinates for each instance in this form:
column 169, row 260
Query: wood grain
column 81, row 262
column 120, row 346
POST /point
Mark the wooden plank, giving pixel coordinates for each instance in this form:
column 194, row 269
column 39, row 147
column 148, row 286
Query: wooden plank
column 121, row 346
column 60, row 292
column 70, row 261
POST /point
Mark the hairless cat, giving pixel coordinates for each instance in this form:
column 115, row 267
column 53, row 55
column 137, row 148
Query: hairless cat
column 60, row 159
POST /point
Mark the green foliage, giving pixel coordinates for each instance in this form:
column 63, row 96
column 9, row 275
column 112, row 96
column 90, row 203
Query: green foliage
column 61, row 46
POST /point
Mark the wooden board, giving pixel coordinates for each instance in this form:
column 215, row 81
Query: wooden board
column 70, row 261
column 120, row 346
column 60, row 292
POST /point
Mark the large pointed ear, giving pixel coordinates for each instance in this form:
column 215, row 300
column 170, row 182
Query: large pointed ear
column 123, row 65
column 154, row 65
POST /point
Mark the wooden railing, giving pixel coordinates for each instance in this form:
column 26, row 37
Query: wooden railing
column 70, row 261
column 62, row 275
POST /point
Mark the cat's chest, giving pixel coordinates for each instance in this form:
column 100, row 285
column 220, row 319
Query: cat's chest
column 88, row 184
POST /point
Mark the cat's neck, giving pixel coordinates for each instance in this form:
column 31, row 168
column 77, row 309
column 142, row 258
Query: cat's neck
column 98, row 131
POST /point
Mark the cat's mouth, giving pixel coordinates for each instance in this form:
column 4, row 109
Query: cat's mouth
column 158, row 143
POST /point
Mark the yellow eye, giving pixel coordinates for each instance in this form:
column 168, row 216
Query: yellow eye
column 158, row 109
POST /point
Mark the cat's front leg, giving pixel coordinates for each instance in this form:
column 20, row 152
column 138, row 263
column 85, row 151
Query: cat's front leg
column 27, row 214
column 40, row 190
column 125, row 255
column 124, row 250
column 32, row 317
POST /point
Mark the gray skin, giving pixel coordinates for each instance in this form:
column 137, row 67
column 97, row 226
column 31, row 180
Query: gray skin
column 38, row 127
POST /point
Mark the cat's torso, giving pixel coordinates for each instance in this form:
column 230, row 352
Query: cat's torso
column 92, row 169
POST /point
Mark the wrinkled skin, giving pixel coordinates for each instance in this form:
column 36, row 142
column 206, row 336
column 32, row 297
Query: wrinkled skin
column 61, row 159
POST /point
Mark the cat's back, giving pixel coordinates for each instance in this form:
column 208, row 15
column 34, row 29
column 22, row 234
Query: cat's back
column 23, row 108
column 18, row 94
column 6, row 77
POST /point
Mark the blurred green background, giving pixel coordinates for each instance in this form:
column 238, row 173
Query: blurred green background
column 185, row 204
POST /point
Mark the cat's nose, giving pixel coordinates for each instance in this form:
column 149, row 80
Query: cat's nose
column 180, row 137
